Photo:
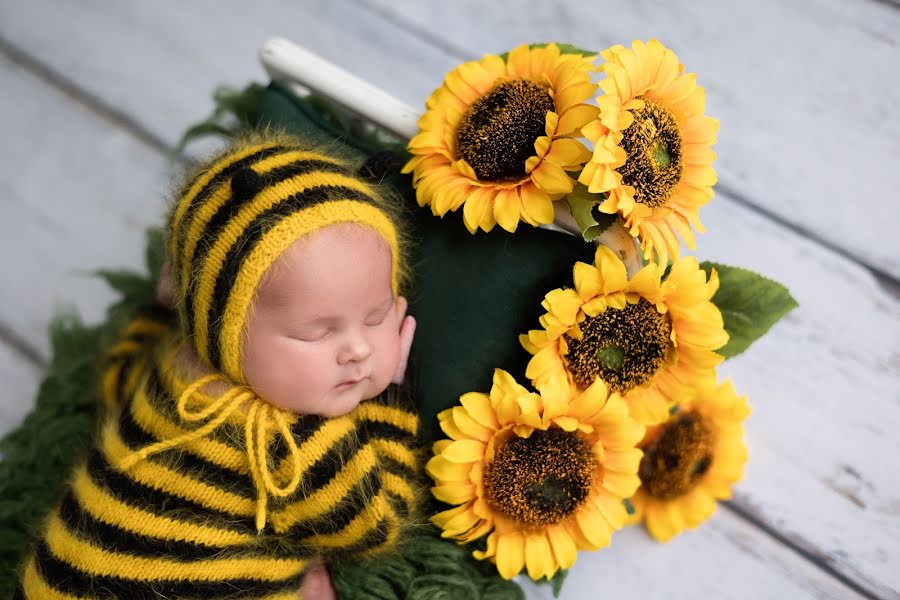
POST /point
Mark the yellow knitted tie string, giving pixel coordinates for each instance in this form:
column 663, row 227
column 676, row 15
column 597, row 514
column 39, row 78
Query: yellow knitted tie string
column 226, row 405
column 256, row 431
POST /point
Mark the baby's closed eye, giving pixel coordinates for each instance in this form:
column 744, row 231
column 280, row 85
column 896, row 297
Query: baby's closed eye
column 310, row 335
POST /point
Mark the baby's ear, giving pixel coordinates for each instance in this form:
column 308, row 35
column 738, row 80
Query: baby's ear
column 165, row 287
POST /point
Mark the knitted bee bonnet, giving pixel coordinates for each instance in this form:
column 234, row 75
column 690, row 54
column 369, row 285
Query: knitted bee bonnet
column 238, row 216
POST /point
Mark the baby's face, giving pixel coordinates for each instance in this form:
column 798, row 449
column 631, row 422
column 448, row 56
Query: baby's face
column 323, row 334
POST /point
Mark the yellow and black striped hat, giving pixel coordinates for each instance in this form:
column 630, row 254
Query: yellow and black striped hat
column 239, row 214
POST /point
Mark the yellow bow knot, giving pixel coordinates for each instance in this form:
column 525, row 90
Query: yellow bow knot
column 260, row 417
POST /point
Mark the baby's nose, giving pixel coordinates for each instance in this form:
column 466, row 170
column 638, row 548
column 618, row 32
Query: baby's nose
column 356, row 348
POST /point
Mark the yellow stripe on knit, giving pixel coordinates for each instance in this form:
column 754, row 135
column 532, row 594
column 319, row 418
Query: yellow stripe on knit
column 398, row 417
column 185, row 200
column 397, row 451
column 146, row 326
column 214, row 451
column 125, row 348
column 109, row 386
column 107, row 509
column 215, row 257
column 361, row 525
column 204, row 214
column 324, row 500
column 111, row 394
column 273, row 244
column 154, row 475
column 36, row 588
column 90, row 559
column 399, row 486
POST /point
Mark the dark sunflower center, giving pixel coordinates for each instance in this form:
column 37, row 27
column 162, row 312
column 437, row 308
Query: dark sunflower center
column 541, row 479
column 653, row 145
column 624, row 347
column 675, row 461
column 496, row 135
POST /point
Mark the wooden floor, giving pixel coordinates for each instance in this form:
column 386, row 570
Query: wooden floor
column 94, row 94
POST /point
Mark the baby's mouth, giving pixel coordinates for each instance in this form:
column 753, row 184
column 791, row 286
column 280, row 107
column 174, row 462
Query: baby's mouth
column 346, row 385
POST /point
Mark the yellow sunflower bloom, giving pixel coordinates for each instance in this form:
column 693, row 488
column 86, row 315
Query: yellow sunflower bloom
column 652, row 147
column 541, row 479
column 498, row 137
column 648, row 339
column 691, row 461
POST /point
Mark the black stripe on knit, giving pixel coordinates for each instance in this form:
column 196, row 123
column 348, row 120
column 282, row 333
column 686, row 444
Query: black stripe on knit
column 185, row 463
column 122, row 379
column 399, row 504
column 78, row 521
column 324, row 470
column 245, row 244
column 301, row 430
column 397, row 468
column 377, row 536
column 157, row 502
column 230, row 208
column 342, row 513
column 207, row 189
column 68, row 579
column 381, row 430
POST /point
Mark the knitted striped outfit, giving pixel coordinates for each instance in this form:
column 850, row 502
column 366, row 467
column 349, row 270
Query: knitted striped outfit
column 187, row 495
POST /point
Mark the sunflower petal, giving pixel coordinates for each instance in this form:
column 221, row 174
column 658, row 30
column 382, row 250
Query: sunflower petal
column 539, row 556
column 510, row 554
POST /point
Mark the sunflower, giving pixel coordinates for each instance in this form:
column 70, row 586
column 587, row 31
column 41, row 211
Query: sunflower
column 649, row 339
column 691, row 461
column 497, row 137
column 540, row 479
column 652, row 147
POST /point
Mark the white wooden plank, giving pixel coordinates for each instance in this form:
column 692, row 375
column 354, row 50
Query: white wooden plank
column 724, row 559
column 159, row 62
column 77, row 194
column 826, row 401
column 20, row 378
column 804, row 92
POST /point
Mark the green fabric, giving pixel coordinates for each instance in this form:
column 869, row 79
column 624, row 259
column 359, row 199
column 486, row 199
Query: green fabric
column 426, row 568
column 472, row 294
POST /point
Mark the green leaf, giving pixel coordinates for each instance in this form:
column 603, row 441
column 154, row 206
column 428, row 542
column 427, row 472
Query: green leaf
column 563, row 48
column 130, row 285
column 583, row 206
column 234, row 110
column 555, row 582
column 750, row 305
column 155, row 254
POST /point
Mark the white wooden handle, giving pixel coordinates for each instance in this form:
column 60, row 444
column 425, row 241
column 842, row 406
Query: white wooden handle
column 286, row 61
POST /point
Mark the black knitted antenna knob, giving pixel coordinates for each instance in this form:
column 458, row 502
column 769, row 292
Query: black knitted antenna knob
column 245, row 184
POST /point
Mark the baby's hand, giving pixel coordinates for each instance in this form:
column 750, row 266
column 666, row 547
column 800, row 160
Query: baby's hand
column 407, row 331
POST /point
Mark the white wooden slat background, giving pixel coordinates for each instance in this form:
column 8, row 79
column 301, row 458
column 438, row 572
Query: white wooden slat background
column 823, row 383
